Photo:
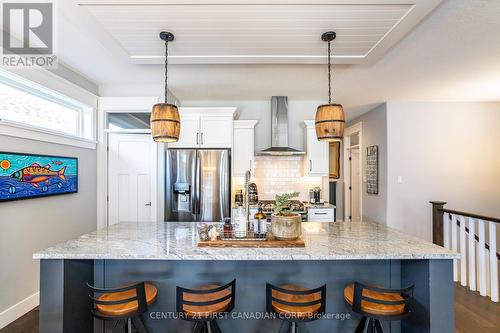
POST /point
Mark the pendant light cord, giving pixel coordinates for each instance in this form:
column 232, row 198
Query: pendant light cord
column 166, row 72
column 329, row 75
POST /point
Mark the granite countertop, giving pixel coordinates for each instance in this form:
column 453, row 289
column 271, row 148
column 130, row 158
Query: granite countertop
column 177, row 241
column 319, row 206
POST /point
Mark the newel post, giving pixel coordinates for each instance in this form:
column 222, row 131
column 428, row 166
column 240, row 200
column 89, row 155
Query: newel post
column 437, row 222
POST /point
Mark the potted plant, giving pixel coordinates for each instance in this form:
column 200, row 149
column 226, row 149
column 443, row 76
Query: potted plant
column 285, row 225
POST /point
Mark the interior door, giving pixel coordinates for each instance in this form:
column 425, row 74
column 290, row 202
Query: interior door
column 216, row 131
column 355, row 185
column 189, row 137
column 132, row 178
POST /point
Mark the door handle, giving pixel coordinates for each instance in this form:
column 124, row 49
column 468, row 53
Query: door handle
column 201, row 137
column 319, row 213
column 148, row 204
column 197, row 136
column 250, row 165
column 310, row 165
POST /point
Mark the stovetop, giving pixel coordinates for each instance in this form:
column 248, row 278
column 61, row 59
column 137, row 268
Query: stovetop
column 294, row 206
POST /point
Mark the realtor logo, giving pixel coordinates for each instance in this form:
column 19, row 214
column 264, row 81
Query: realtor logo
column 28, row 34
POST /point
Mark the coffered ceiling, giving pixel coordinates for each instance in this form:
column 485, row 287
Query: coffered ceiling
column 256, row 32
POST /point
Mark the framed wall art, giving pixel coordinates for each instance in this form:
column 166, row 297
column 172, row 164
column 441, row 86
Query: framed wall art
column 24, row 176
column 372, row 170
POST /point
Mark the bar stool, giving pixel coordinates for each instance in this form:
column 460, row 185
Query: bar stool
column 124, row 305
column 205, row 304
column 376, row 304
column 295, row 305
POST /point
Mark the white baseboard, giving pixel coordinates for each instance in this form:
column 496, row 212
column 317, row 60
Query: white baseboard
column 17, row 310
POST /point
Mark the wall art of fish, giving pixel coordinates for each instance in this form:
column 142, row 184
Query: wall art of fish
column 35, row 174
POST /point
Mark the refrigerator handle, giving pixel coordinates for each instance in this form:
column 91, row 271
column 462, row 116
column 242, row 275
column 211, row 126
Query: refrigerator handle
column 198, row 186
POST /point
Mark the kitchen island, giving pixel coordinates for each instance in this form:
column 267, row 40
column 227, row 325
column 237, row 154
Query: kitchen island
column 167, row 254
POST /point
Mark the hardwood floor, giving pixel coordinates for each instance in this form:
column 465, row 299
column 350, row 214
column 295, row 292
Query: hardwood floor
column 26, row 324
column 473, row 314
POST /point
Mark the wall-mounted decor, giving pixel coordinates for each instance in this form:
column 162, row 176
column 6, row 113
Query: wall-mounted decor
column 24, row 176
column 334, row 156
column 372, row 170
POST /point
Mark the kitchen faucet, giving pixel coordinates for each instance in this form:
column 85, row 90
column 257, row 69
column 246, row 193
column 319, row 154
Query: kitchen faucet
column 247, row 195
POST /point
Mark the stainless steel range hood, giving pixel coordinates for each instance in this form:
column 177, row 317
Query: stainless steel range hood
column 279, row 129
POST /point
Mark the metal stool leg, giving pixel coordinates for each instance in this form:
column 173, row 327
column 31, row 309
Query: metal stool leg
column 285, row 327
column 378, row 326
column 119, row 326
column 198, row 327
column 361, row 326
column 302, row 328
column 214, row 327
column 139, row 325
column 371, row 328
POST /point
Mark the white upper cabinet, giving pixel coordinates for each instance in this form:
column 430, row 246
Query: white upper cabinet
column 215, row 131
column 316, row 159
column 243, row 146
column 205, row 128
column 190, row 132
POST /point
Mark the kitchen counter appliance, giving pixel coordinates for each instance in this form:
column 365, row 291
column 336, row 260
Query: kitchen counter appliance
column 197, row 185
column 296, row 206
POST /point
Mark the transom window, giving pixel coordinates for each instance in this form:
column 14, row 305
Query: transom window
column 31, row 105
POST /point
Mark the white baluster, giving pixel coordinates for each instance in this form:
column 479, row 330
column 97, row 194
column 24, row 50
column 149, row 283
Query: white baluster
column 463, row 253
column 493, row 263
column 481, row 249
column 454, row 246
column 472, row 254
column 446, row 230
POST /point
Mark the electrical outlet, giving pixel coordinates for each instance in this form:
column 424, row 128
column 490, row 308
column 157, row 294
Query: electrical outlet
column 400, row 179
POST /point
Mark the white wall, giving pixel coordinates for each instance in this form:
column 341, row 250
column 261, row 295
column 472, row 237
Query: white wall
column 34, row 224
column 443, row 151
column 375, row 133
column 29, row 225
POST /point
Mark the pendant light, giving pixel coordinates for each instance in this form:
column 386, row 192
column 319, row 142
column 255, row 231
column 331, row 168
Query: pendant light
column 165, row 121
column 330, row 118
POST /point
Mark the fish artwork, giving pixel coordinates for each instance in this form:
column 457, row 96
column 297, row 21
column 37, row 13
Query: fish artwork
column 57, row 162
column 36, row 174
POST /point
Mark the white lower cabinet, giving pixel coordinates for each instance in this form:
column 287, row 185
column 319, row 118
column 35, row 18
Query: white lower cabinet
column 321, row 214
column 243, row 146
column 316, row 159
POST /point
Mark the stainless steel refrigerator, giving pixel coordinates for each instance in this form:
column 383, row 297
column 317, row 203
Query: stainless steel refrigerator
column 197, row 185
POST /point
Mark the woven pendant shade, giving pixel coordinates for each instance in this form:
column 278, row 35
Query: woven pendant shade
column 165, row 123
column 330, row 122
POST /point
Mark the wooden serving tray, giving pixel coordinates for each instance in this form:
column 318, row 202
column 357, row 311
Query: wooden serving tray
column 269, row 243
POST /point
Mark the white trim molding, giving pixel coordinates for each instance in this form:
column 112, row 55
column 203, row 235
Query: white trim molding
column 112, row 105
column 17, row 310
column 23, row 131
column 354, row 129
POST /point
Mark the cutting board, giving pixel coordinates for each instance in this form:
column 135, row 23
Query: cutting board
column 269, row 243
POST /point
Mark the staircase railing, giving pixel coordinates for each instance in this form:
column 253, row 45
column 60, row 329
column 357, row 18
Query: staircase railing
column 466, row 233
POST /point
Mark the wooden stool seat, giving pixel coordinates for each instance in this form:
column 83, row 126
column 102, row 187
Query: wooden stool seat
column 295, row 311
column 206, row 310
column 126, row 308
column 375, row 308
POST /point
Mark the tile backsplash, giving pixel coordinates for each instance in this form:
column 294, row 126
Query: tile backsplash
column 274, row 175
